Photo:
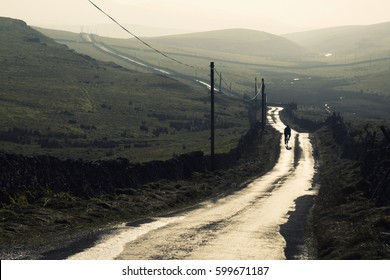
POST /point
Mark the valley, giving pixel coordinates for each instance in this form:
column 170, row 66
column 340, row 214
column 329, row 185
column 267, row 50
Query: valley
column 76, row 105
column 350, row 76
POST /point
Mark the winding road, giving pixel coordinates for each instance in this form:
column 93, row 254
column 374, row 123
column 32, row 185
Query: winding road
column 244, row 225
column 112, row 52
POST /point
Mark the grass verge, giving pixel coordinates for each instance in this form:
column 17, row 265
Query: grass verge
column 346, row 224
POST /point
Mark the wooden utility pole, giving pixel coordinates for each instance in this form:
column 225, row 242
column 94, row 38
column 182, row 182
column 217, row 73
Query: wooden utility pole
column 256, row 105
column 263, row 104
column 220, row 83
column 212, row 115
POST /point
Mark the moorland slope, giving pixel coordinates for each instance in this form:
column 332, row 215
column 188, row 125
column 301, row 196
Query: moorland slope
column 56, row 101
column 357, row 39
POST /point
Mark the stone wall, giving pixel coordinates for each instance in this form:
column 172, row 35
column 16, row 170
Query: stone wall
column 20, row 173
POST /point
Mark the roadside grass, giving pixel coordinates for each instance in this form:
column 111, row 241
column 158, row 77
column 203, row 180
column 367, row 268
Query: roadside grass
column 346, row 223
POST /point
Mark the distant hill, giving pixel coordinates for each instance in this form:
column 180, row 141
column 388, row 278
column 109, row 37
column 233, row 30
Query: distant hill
column 374, row 39
column 56, row 101
column 235, row 41
column 240, row 54
column 112, row 30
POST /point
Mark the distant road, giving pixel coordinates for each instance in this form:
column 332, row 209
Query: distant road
column 244, row 225
column 112, row 52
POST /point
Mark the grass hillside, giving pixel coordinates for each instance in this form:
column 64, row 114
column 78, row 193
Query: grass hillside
column 58, row 102
column 358, row 55
column 347, row 83
column 357, row 41
column 236, row 41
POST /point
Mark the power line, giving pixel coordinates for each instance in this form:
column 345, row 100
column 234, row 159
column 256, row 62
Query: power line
column 228, row 84
column 162, row 53
column 142, row 41
column 258, row 92
column 223, row 80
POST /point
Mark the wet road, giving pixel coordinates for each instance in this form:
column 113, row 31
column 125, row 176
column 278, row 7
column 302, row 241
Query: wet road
column 244, row 225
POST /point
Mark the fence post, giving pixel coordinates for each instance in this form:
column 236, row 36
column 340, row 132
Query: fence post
column 212, row 115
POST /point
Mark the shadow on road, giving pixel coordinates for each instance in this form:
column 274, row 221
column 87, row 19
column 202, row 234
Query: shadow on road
column 294, row 230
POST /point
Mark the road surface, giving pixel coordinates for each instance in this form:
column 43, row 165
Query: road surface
column 244, row 225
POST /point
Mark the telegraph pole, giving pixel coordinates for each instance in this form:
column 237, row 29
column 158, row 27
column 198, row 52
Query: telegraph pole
column 212, row 115
column 220, row 83
column 263, row 104
column 256, row 107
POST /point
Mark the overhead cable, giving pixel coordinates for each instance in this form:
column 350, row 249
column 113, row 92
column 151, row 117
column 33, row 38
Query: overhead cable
column 139, row 39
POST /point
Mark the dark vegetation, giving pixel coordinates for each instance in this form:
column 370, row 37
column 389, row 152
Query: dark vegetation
column 351, row 215
column 354, row 198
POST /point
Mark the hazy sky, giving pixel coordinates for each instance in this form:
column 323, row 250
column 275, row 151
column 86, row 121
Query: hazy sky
column 275, row 16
